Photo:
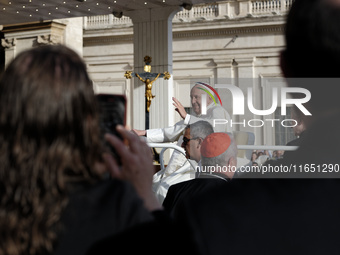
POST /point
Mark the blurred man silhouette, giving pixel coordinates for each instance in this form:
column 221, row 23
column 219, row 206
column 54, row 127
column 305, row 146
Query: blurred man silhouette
column 298, row 214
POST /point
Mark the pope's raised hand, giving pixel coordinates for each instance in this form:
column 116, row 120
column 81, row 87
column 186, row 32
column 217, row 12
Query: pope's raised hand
column 179, row 107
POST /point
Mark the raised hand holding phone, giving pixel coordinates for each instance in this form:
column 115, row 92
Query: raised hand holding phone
column 136, row 164
column 112, row 112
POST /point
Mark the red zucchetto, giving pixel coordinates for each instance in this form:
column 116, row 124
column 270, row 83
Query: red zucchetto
column 215, row 144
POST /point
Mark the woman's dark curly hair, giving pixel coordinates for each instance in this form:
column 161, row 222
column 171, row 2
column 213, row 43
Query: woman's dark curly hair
column 49, row 141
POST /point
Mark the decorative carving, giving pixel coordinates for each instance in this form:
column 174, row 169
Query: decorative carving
column 8, row 43
column 167, row 75
column 48, row 39
column 231, row 31
column 128, row 75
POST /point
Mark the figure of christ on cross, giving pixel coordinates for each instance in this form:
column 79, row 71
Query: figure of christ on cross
column 148, row 87
column 148, row 78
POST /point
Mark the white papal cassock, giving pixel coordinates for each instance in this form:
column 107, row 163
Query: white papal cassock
column 179, row 169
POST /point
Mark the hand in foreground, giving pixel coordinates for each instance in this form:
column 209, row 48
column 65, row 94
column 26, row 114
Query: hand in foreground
column 139, row 132
column 179, row 108
column 137, row 166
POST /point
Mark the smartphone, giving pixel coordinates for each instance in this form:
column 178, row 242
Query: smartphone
column 112, row 112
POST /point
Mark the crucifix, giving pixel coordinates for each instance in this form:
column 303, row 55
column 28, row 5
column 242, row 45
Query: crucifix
column 148, row 79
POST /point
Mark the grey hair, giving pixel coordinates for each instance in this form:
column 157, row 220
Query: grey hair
column 222, row 159
column 200, row 129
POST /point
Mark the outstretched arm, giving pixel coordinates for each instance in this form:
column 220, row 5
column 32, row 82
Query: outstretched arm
column 139, row 132
column 156, row 78
column 140, row 77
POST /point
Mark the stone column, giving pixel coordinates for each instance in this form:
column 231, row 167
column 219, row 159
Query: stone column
column 153, row 37
column 73, row 35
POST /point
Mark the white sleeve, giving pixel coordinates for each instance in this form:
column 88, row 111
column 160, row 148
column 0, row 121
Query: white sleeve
column 187, row 119
column 155, row 135
column 164, row 135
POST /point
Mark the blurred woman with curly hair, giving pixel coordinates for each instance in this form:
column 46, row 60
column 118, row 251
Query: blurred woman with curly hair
column 52, row 198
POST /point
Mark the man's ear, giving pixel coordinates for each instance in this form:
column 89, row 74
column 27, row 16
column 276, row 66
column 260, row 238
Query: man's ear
column 200, row 140
column 209, row 99
column 232, row 161
column 232, row 164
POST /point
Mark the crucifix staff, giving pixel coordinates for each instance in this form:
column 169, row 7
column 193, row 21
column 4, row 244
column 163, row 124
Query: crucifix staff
column 148, row 79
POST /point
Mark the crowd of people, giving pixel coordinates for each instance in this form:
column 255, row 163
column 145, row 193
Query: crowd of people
column 61, row 192
column 258, row 157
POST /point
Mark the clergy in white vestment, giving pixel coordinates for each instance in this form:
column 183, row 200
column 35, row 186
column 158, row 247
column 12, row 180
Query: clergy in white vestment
column 179, row 169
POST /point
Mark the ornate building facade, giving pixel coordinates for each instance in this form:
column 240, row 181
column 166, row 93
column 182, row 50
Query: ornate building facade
column 234, row 42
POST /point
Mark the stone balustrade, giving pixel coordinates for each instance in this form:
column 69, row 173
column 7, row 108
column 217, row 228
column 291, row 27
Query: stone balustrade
column 231, row 9
column 198, row 12
column 272, row 6
column 105, row 21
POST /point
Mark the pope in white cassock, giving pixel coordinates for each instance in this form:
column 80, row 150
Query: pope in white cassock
column 179, row 169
